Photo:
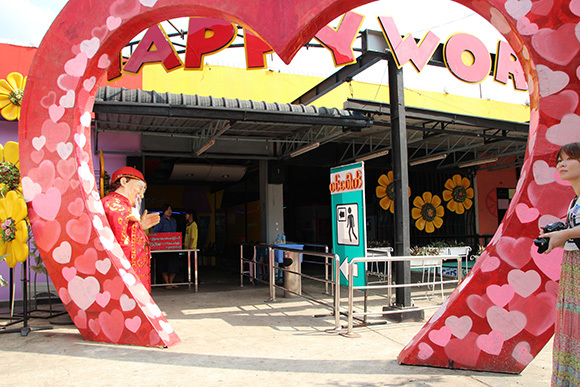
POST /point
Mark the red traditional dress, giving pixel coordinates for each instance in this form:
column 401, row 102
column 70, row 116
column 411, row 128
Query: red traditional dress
column 130, row 236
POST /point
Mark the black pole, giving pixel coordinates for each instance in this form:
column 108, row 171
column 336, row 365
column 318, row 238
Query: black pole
column 401, row 182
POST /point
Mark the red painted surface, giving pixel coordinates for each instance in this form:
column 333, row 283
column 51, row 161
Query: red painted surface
column 497, row 319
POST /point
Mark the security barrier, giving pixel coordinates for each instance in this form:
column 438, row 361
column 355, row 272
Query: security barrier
column 388, row 259
column 254, row 269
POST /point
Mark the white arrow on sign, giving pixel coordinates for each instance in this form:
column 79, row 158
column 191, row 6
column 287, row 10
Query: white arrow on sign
column 344, row 268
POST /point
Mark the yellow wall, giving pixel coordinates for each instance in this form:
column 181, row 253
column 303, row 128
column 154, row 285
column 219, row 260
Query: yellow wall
column 270, row 86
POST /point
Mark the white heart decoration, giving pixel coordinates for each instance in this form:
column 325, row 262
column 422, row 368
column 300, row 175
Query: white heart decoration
column 80, row 139
column 67, row 100
column 551, row 82
column 86, row 119
column 148, row 3
column 38, row 142
column 62, row 253
column 30, row 189
column 90, row 47
column 64, row 149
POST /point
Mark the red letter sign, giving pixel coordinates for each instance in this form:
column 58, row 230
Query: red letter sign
column 506, row 64
column 405, row 50
column 256, row 50
column 155, row 47
column 206, row 36
column 339, row 41
column 480, row 65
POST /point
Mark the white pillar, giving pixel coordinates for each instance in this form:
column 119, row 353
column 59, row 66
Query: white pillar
column 271, row 206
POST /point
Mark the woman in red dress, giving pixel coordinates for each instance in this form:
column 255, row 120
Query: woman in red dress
column 122, row 210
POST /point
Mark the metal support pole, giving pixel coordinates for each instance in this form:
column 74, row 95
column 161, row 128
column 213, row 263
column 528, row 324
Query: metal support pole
column 401, row 181
column 336, row 261
column 272, row 279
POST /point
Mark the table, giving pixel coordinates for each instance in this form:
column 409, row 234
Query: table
column 188, row 251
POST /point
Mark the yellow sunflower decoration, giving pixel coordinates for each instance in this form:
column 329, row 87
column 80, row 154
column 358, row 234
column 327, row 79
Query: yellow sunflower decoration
column 11, row 92
column 428, row 212
column 13, row 211
column 13, row 229
column 458, row 194
column 386, row 192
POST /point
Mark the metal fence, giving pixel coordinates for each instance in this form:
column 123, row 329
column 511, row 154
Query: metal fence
column 255, row 268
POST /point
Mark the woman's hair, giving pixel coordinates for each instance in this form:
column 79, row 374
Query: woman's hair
column 192, row 213
column 572, row 150
column 165, row 207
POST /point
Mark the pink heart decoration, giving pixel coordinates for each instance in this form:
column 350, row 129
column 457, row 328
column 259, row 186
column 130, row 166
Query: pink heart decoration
column 558, row 105
column 133, row 324
column 80, row 319
column 539, row 311
column 524, row 283
column 104, row 62
column 543, row 173
column 489, row 264
column 48, row 100
column 42, row 175
column 518, row 8
column 79, row 229
column 575, row 7
column 508, row 323
column 441, row 336
column 69, row 273
column 491, row 343
column 37, row 156
column 55, row 133
column 83, row 291
column 55, row 112
column 103, row 299
column 525, row 27
column 552, row 287
column 115, row 286
column 465, row 352
column 459, row 326
column 522, row 353
column 113, row 22
column 64, row 296
column 76, row 207
column 479, row 304
column 66, row 82
column 500, row 295
column 549, row 264
column 526, row 214
column 46, row 234
column 557, row 46
column 47, row 205
column 565, row 132
column 512, row 251
column 425, row 351
column 112, row 324
column 542, row 7
column 86, row 263
column 76, row 67
column 95, row 327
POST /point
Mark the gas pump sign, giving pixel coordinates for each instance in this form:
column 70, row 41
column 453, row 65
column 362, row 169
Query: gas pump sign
column 348, row 219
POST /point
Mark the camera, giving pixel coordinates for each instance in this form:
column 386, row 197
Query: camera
column 543, row 243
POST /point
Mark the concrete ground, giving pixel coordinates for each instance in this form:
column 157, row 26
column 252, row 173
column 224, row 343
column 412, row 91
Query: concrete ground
column 232, row 336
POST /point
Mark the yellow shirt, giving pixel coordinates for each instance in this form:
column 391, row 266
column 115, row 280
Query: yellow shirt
column 191, row 236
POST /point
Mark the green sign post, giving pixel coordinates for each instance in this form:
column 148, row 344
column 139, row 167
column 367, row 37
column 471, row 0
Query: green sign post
column 347, row 190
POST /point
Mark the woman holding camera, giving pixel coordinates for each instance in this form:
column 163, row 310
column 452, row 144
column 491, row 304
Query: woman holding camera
column 566, row 352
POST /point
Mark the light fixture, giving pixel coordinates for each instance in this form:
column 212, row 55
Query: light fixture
column 477, row 162
column 207, row 145
column 371, row 156
column 305, row 149
column 427, row 159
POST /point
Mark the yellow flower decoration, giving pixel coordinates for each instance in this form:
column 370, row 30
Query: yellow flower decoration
column 458, row 194
column 13, row 229
column 386, row 192
column 9, row 168
column 11, row 92
column 428, row 212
